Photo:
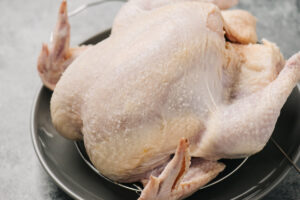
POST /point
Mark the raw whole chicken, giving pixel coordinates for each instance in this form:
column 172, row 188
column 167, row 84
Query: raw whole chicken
column 178, row 85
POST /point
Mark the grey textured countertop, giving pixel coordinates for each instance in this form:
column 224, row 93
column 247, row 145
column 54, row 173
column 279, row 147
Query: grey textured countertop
column 24, row 25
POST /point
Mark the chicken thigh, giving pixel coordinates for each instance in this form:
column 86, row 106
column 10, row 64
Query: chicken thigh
column 167, row 82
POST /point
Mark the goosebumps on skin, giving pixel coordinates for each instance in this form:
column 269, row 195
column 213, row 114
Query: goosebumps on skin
column 174, row 77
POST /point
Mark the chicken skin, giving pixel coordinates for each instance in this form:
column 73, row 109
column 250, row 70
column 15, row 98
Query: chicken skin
column 176, row 87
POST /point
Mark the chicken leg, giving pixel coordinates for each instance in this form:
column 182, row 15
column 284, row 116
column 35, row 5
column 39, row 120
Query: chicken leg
column 244, row 127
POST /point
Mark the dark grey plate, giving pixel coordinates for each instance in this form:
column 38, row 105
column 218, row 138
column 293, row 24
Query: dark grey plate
column 253, row 180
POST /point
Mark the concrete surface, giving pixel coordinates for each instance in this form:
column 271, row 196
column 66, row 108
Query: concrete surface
column 24, row 25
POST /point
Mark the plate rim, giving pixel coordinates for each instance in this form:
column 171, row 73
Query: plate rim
column 34, row 140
